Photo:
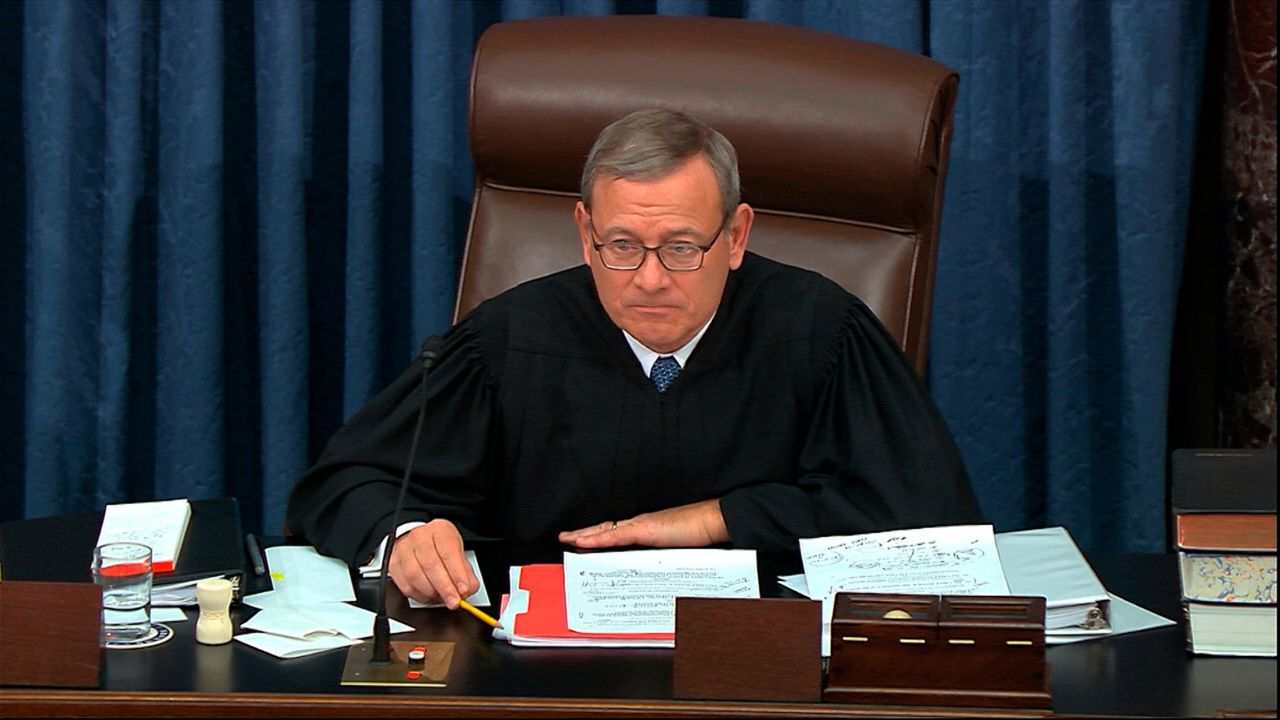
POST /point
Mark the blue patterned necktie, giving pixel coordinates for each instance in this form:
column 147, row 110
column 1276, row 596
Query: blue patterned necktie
column 665, row 371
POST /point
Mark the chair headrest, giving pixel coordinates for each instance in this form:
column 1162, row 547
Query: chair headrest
column 823, row 125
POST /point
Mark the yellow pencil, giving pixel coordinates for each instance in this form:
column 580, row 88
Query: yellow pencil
column 480, row 614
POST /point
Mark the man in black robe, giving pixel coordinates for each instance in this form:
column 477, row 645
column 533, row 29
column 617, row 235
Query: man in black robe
column 675, row 391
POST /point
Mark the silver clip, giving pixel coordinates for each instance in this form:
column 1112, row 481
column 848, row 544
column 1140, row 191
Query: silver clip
column 1095, row 620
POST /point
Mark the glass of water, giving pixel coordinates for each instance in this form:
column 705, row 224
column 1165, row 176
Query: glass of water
column 123, row 571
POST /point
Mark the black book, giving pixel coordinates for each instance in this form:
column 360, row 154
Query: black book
column 60, row 548
column 1224, row 480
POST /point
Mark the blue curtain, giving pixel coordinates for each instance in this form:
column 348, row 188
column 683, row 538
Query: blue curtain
column 228, row 224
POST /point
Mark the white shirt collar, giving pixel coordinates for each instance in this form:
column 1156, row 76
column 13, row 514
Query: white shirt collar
column 648, row 357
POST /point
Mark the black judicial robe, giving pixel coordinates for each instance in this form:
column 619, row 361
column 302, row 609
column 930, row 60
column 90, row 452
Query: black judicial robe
column 796, row 409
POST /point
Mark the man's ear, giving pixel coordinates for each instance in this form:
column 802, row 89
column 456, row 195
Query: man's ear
column 739, row 231
column 580, row 218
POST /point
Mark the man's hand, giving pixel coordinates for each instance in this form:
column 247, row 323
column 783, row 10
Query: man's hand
column 696, row 525
column 430, row 565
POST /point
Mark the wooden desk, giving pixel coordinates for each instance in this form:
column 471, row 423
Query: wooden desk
column 1142, row 674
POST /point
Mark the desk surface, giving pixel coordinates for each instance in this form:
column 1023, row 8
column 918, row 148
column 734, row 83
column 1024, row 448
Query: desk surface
column 1142, row 674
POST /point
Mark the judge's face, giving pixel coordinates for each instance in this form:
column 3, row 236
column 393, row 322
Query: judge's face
column 663, row 309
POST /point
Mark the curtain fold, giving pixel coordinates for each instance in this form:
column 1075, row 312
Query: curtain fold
column 1061, row 250
column 127, row 143
column 64, row 276
column 366, row 171
column 191, row 277
column 432, row 229
column 237, row 221
column 282, row 81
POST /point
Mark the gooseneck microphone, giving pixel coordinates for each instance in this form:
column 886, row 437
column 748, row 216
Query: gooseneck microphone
column 381, row 654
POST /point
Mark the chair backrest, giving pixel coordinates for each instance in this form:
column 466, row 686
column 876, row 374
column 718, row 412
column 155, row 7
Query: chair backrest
column 842, row 146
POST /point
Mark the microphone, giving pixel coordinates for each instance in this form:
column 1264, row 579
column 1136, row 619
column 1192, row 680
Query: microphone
column 381, row 654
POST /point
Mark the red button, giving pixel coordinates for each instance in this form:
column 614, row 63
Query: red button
column 413, row 674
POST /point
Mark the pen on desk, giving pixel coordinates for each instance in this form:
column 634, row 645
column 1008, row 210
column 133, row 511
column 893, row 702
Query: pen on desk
column 480, row 614
column 255, row 554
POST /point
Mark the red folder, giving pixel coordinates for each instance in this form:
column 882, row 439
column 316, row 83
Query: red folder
column 547, row 616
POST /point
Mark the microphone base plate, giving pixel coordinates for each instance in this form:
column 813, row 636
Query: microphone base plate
column 361, row 671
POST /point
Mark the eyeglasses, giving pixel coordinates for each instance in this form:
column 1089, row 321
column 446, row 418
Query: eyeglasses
column 676, row 256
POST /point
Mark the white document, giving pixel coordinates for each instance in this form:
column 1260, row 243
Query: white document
column 634, row 591
column 795, row 583
column 1046, row 562
column 952, row 560
column 168, row 614
column 160, row 525
column 287, row 647
column 518, row 603
column 182, row 593
column 264, row 600
column 306, row 613
column 306, row 576
column 304, row 622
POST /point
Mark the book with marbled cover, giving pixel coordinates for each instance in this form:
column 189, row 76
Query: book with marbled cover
column 1229, row 578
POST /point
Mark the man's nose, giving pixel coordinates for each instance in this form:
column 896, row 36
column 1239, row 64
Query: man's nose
column 652, row 274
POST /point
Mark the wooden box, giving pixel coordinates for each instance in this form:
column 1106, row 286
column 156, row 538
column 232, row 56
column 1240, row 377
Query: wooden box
column 748, row 649
column 950, row 650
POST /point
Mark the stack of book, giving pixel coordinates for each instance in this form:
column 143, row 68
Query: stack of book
column 1224, row 517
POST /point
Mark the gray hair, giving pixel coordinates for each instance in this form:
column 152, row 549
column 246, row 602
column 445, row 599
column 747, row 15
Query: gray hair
column 651, row 144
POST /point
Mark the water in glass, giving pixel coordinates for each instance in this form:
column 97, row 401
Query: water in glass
column 123, row 571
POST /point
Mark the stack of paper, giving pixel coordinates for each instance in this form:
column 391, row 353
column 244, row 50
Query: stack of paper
column 965, row 560
column 618, row 599
column 536, row 614
column 951, row 560
column 160, row 525
column 183, row 593
column 306, row 611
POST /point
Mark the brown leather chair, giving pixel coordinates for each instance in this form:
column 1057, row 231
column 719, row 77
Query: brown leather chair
column 842, row 146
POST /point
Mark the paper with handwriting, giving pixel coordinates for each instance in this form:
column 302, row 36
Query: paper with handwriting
column 635, row 591
column 160, row 525
column 952, row 560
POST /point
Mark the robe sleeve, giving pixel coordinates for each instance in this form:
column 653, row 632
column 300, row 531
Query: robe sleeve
column 343, row 505
column 877, row 455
